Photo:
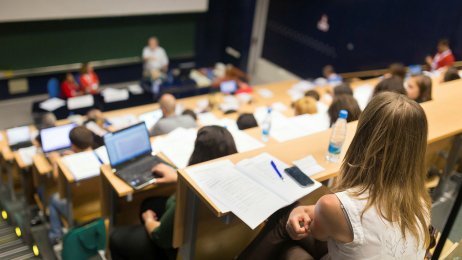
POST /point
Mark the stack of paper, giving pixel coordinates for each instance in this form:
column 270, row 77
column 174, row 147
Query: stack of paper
column 309, row 165
column 135, row 89
column 113, row 95
column 82, row 165
column 363, row 95
column 178, row 145
column 151, row 118
column 95, row 128
column 120, row 122
column 102, row 155
column 265, row 93
column 245, row 142
column 229, row 103
column 52, row 104
column 251, row 190
column 80, row 102
column 299, row 126
column 27, row 154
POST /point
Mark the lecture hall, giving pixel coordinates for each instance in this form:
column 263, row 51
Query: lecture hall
column 230, row 129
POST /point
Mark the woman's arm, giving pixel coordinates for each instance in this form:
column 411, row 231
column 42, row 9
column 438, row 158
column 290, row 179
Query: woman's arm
column 324, row 220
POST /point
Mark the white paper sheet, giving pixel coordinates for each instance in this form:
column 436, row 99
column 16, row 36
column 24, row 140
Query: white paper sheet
column 135, row 89
column 259, row 169
column 230, row 189
column 52, row 104
column 363, row 95
column 245, row 142
column 18, row 135
column 309, row 165
column 95, row 128
column 120, row 122
column 80, row 102
column 299, row 126
column 27, row 154
column 101, row 152
column 113, row 95
column 82, row 165
column 178, row 146
column 265, row 93
column 151, row 118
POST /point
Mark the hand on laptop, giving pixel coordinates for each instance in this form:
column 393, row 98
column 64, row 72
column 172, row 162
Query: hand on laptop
column 166, row 173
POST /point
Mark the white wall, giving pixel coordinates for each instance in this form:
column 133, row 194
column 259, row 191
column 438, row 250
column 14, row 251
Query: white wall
column 29, row 10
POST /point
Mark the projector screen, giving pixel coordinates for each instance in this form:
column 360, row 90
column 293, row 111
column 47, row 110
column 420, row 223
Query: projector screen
column 27, row 10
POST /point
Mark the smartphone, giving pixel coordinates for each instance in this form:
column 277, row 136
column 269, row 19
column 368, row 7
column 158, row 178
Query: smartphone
column 299, row 176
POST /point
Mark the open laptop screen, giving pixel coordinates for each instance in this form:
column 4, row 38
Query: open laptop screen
column 18, row 135
column 56, row 138
column 228, row 87
column 127, row 144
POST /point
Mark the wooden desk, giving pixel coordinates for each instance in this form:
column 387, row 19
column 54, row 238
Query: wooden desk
column 24, row 173
column 83, row 197
column 444, row 120
column 43, row 180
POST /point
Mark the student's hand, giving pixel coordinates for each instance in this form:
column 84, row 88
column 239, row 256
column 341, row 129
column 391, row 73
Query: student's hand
column 429, row 60
column 150, row 221
column 166, row 173
column 298, row 224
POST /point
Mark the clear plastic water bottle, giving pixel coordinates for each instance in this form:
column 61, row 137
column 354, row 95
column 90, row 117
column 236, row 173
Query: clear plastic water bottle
column 337, row 137
column 266, row 126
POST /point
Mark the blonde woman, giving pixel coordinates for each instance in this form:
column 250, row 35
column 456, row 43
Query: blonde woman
column 380, row 208
column 305, row 105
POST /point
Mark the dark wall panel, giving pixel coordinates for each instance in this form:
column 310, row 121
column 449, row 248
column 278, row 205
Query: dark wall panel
column 362, row 34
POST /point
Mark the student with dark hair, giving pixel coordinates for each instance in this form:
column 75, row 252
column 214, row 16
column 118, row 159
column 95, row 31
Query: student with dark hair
column 81, row 141
column 419, row 88
column 313, row 93
column 380, row 208
column 153, row 239
column 331, row 76
column 443, row 58
column 69, row 87
column 190, row 113
column 246, row 121
column 397, row 69
column 343, row 89
column 392, row 84
column 345, row 102
column 451, row 74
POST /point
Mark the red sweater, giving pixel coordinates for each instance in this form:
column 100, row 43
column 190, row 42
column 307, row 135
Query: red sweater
column 69, row 89
column 443, row 59
column 89, row 83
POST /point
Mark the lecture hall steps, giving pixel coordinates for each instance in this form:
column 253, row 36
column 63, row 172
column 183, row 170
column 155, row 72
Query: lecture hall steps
column 12, row 247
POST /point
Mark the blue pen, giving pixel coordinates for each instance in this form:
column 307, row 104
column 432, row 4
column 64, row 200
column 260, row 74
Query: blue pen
column 276, row 169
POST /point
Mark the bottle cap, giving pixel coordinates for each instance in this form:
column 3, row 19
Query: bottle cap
column 270, row 109
column 343, row 114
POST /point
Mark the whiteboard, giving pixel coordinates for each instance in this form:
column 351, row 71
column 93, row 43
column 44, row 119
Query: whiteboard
column 31, row 10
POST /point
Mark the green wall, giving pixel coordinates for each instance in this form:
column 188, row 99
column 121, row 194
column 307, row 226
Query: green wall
column 46, row 43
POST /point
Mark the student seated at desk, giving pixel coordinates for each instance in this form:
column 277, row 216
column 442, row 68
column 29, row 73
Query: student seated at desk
column 89, row 80
column 344, row 102
column 343, row 89
column 331, row 76
column 443, row 57
column 190, row 113
column 380, row 208
column 48, row 119
column 451, row 74
column 170, row 120
column 153, row 239
column 305, row 105
column 70, row 88
column 392, row 84
column 246, row 121
column 81, row 140
column 397, row 70
column 313, row 93
column 419, row 88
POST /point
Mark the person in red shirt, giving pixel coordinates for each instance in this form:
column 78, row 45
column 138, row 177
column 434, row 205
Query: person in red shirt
column 443, row 58
column 70, row 88
column 89, row 80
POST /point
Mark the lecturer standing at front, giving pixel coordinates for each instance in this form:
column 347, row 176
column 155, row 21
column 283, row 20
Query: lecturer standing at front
column 155, row 58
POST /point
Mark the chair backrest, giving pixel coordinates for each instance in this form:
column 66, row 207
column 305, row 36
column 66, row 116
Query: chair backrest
column 53, row 88
column 84, row 242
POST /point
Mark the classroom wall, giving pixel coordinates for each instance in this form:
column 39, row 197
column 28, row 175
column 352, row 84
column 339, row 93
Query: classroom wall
column 362, row 34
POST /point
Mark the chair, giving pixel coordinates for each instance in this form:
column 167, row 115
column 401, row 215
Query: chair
column 53, row 88
column 85, row 242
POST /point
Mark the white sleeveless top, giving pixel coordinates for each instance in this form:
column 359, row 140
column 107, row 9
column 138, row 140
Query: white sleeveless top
column 374, row 237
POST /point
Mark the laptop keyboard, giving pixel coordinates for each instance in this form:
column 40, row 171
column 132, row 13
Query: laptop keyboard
column 139, row 172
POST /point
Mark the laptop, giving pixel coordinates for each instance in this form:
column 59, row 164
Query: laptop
column 228, row 87
column 56, row 138
column 19, row 137
column 130, row 154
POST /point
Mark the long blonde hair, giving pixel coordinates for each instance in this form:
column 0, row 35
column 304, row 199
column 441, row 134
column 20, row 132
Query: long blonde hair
column 386, row 160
